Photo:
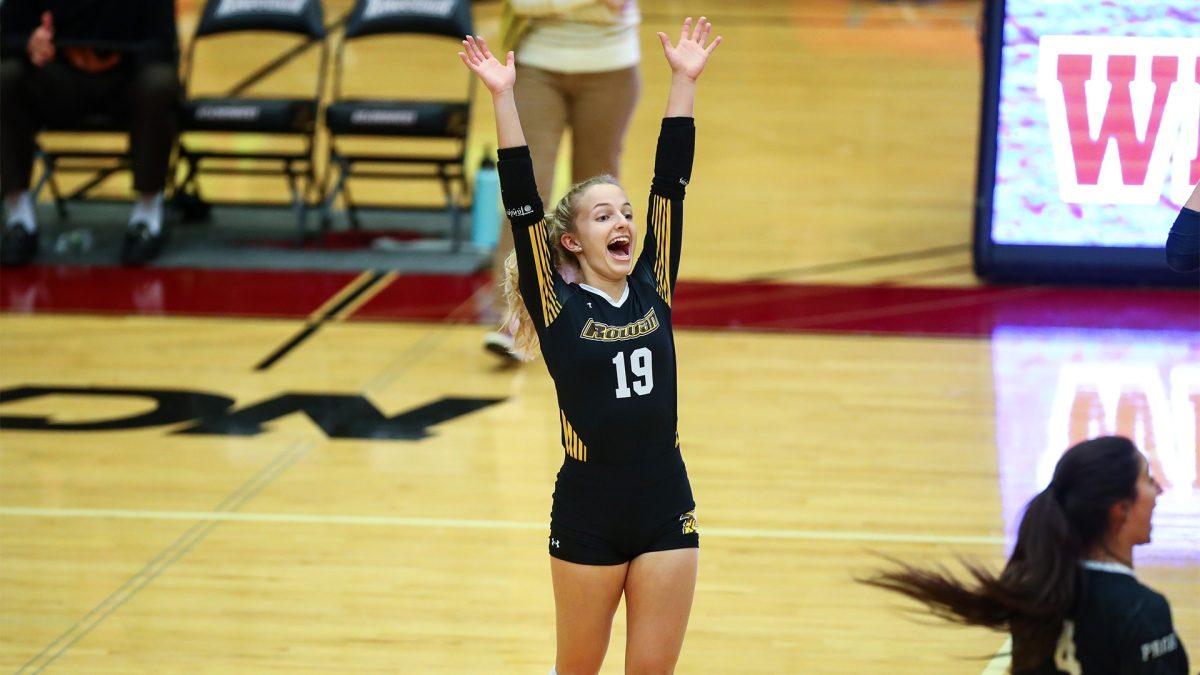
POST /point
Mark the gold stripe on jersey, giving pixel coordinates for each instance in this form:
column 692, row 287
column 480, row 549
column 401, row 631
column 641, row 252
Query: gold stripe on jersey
column 571, row 441
column 543, row 264
column 662, row 239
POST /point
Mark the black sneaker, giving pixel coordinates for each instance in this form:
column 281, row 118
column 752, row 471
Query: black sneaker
column 141, row 246
column 18, row 246
column 501, row 344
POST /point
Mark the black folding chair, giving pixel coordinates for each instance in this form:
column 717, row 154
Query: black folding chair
column 399, row 118
column 235, row 113
column 101, row 164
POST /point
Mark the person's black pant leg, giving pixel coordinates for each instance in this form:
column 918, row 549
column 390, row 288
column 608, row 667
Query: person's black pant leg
column 153, row 114
column 33, row 98
column 17, row 125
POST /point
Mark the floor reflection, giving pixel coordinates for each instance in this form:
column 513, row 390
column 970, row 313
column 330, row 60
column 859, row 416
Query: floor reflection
column 1057, row 387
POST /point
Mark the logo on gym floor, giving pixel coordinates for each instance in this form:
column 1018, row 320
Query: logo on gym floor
column 214, row 414
column 689, row 522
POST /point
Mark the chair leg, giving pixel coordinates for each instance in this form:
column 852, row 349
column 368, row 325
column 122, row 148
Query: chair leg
column 455, row 211
column 332, row 195
column 326, row 204
column 187, row 197
column 299, row 207
column 351, row 208
column 60, row 204
column 47, row 179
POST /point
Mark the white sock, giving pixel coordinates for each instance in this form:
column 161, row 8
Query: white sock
column 148, row 210
column 20, row 211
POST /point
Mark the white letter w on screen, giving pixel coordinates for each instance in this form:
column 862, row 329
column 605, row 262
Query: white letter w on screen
column 1124, row 116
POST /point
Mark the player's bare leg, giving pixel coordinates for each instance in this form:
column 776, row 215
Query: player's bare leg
column 658, row 600
column 585, row 599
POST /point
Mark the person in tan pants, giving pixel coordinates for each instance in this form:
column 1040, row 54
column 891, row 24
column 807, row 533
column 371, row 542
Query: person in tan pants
column 577, row 68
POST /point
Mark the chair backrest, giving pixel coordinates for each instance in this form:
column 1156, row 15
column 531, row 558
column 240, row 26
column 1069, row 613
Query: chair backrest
column 302, row 17
column 449, row 18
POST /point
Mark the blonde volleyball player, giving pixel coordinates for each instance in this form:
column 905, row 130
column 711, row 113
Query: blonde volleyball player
column 622, row 519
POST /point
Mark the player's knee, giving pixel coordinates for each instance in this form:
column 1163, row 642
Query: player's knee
column 650, row 664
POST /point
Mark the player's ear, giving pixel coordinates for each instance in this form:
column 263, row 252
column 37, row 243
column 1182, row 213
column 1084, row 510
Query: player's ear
column 570, row 243
column 1118, row 513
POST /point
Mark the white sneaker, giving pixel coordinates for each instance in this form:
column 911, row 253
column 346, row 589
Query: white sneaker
column 501, row 344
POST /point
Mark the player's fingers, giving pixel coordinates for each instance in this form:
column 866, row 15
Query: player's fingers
column 467, row 54
column 510, row 60
column 666, row 43
column 473, row 49
column 713, row 47
column 487, row 53
column 687, row 26
column 698, row 28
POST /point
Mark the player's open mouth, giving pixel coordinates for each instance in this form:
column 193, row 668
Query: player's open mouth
column 620, row 247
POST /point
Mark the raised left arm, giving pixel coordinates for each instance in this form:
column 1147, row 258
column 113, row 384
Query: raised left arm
column 673, row 158
column 687, row 60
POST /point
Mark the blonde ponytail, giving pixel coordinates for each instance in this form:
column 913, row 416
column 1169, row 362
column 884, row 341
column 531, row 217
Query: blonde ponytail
column 558, row 222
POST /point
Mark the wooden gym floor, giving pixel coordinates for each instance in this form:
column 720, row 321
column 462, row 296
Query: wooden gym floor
column 830, row 412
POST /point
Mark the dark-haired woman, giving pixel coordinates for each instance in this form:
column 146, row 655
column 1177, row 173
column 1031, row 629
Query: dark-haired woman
column 1068, row 594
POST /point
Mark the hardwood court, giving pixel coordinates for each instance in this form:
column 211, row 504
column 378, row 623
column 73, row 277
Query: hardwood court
column 422, row 549
column 147, row 551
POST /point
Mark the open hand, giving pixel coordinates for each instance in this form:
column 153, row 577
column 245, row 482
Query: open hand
column 41, row 42
column 688, row 57
column 496, row 76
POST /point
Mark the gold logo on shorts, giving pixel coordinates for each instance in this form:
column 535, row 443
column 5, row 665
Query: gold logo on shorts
column 602, row 332
column 689, row 522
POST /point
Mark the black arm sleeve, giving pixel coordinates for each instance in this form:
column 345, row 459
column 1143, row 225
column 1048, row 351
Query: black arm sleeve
column 1183, row 243
column 1149, row 644
column 664, row 215
column 537, row 274
column 18, row 19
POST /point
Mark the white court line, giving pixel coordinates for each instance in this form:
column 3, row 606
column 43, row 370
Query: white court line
column 999, row 663
column 470, row 524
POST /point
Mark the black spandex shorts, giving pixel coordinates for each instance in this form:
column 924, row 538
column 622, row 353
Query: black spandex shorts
column 606, row 514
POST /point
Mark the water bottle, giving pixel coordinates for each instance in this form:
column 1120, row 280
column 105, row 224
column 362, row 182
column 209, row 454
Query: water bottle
column 74, row 243
column 485, row 204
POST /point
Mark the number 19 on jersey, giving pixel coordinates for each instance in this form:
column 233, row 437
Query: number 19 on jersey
column 641, row 363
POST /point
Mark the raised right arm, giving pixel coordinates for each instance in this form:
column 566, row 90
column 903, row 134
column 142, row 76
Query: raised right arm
column 1183, row 243
column 536, row 272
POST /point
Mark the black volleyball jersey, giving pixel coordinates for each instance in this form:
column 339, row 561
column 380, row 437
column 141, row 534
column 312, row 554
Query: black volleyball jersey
column 612, row 359
column 1118, row 627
